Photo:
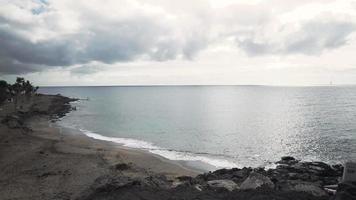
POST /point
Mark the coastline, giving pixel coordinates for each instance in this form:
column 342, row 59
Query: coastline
column 39, row 154
column 138, row 157
column 194, row 164
column 41, row 160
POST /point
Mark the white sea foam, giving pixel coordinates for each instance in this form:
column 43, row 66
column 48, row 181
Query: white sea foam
column 127, row 142
column 176, row 155
column 166, row 153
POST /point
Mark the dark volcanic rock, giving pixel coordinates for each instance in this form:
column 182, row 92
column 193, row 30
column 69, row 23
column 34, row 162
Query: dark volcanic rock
column 106, row 184
column 140, row 192
column 291, row 180
column 185, row 178
column 60, row 106
column 287, row 160
column 301, row 186
column 228, row 185
column 235, row 174
column 156, row 181
column 346, row 191
column 256, row 180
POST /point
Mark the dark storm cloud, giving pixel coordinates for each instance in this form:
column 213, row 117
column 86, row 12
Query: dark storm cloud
column 107, row 46
column 99, row 39
column 18, row 55
column 311, row 39
column 9, row 66
column 120, row 42
column 51, row 53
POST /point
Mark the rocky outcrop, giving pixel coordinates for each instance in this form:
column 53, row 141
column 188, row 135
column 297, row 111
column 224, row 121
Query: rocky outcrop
column 225, row 184
column 54, row 106
column 290, row 180
column 256, row 180
column 307, row 187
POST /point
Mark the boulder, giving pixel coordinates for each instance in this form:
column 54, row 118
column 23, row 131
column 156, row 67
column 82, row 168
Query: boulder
column 157, row 181
column 321, row 169
column 226, row 184
column 311, row 189
column 301, row 186
column 256, row 180
column 107, row 183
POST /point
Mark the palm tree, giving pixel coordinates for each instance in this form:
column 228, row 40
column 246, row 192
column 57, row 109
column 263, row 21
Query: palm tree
column 28, row 89
column 21, row 87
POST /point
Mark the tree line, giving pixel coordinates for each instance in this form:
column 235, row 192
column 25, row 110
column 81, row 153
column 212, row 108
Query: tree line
column 21, row 87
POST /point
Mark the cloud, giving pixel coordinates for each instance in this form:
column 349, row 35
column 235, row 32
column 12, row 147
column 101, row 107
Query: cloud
column 8, row 66
column 37, row 35
column 280, row 28
column 312, row 38
column 52, row 34
column 87, row 69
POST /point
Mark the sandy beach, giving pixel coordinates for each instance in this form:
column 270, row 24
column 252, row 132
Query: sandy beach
column 40, row 160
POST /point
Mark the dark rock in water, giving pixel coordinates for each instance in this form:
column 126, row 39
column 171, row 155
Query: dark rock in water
column 225, row 184
column 256, row 180
column 287, row 158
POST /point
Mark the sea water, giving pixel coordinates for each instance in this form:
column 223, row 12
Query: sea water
column 223, row 126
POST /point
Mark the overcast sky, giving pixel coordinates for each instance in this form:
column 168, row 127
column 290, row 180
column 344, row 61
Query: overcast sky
column 139, row 42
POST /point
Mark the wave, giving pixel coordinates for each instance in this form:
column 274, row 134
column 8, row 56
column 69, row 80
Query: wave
column 166, row 153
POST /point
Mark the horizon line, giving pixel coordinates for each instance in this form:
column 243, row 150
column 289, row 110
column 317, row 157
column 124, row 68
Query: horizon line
column 197, row 85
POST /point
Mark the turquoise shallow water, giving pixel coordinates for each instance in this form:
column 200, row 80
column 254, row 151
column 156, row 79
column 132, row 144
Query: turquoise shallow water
column 225, row 126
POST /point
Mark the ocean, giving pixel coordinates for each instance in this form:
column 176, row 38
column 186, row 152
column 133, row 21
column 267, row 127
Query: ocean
column 221, row 126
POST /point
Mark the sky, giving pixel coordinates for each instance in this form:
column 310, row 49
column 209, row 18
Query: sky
column 185, row 42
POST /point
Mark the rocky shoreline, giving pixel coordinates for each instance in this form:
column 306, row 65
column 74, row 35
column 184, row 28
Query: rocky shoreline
column 58, row 107
column 97, row 177
column 291, row 179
